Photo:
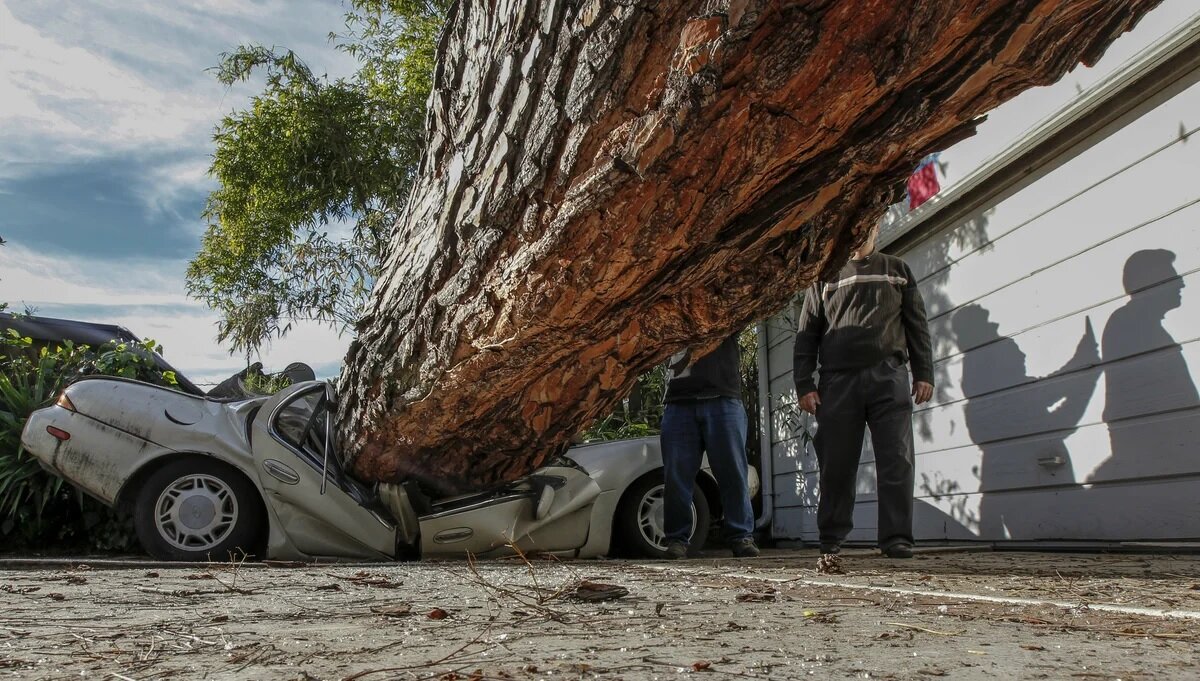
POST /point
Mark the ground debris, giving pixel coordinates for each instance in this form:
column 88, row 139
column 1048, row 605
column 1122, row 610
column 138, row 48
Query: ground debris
column 364, row 578
column 830, row 564
column 586, row 590
column 768, row 593
column 395, row 610
column 504, row 616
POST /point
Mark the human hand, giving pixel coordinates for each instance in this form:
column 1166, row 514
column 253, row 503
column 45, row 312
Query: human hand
column 1088, row 347
column 810, row 402
column 922, row 392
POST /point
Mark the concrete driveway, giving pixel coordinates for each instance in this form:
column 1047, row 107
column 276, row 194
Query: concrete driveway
column 957, row 615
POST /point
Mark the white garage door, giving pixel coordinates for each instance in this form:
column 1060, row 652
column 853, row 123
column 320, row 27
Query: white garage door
column 1066, row 320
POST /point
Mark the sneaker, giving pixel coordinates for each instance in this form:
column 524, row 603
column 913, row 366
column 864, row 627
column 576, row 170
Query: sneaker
column 676, row 550
column 830, row 549
column 745, row 548
column 899, row 551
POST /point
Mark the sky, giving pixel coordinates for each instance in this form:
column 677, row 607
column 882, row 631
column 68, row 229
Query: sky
column 106, row 118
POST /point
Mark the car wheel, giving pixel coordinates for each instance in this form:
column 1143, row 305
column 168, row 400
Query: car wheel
column 639, row 519
column 197, row 508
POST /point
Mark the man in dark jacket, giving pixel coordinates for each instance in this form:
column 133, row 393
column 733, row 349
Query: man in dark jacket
column 864, row 326
column 704, row 413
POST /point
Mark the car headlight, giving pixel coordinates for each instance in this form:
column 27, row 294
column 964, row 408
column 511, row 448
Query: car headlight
column 64, row 402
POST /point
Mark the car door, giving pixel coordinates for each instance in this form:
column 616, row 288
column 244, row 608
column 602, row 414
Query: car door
column 322, row 510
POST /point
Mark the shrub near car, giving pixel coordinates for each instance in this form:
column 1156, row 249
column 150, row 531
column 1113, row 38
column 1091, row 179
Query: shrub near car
column 205, row 478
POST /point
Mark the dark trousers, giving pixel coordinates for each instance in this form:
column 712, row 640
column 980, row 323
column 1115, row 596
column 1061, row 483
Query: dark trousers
column 878, row 397
column 715, row 426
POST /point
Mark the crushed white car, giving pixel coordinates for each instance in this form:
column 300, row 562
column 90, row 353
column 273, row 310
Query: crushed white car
column 205, row 479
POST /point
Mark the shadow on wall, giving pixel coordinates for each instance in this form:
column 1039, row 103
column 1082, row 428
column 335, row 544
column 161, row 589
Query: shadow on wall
column 935, row 262
column 1004, row 403
column 1145, row 370
column 1021, row 423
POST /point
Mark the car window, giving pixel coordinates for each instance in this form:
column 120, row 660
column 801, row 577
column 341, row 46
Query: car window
column 295, row 425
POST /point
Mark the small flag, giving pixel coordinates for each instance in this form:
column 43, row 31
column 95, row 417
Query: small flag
column 923, row 183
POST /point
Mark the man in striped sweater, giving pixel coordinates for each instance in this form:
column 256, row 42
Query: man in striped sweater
column 864, row 326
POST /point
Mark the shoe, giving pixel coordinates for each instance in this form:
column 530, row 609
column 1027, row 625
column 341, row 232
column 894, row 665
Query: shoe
column 676, row 550
column 830, row 549
column 899, row 551
column 745, row 548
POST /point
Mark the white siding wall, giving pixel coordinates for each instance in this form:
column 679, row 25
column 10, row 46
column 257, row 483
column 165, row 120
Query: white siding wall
column 1066, row 320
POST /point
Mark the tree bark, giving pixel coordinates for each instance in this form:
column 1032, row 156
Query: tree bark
column 606, row 182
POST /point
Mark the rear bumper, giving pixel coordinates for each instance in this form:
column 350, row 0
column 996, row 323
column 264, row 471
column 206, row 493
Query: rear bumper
column 37, row 440
column 90, row 459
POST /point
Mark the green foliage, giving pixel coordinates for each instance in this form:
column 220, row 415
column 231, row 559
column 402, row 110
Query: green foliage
column 36, row 508
column 308, row 153
column 638, row 415
column 258, row 383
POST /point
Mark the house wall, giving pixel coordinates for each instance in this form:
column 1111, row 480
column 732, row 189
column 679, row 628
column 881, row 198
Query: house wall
column 1066, row 318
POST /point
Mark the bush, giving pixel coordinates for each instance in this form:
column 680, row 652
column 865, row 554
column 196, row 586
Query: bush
column 36, row 508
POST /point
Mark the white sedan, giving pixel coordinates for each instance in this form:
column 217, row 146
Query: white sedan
column 206, row 479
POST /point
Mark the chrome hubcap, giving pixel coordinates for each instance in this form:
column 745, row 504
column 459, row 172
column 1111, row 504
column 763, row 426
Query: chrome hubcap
column 651, row 523
column 196, row 512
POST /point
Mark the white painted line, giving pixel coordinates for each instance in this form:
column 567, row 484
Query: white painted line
column 1102, row 607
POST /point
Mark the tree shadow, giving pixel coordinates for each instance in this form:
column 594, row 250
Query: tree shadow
column 935, row 260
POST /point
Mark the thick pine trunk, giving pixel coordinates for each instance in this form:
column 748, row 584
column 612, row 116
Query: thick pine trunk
column 606, row 182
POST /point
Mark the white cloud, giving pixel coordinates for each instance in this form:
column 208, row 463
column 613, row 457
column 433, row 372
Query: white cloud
column 148, row 298
column 165, row 185
column 81, row 101
column 32, row 278
column 82, row 80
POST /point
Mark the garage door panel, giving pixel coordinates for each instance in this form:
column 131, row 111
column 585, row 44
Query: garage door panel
column 1154, row 385
column 1157, row 510
column 1050, row 347
column 1077, row 181
column 1087, row 278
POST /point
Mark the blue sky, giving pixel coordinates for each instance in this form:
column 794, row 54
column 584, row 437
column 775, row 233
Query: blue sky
column 106, row 119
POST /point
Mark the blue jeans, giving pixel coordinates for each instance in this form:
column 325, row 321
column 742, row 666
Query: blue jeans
column 689, row 429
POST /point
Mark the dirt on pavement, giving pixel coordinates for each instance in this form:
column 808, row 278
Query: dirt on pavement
column 956, row 615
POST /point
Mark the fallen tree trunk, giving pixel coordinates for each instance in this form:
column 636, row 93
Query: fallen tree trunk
column 608, row 182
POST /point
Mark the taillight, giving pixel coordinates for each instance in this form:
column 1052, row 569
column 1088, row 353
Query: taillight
column 65, row 402
column 58, row 433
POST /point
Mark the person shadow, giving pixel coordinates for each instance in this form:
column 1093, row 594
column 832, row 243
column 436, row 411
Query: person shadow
column 1019, row 422
column 1146, row 373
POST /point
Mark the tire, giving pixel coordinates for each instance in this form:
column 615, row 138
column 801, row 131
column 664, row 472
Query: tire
column 638, row 522
column 224, row 514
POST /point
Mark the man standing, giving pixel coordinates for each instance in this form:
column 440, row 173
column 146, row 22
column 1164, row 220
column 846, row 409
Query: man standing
column 704, row 413
column 865, row 326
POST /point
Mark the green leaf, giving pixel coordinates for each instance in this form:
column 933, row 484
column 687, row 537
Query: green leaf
column 306, row 152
